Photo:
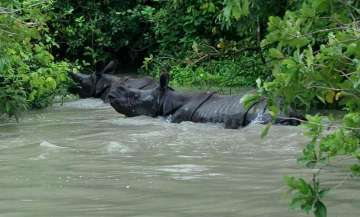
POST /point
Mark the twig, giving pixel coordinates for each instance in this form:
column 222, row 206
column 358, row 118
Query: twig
column 213, row 48
column 335, row 89
column 4, row 10
column 338, row 70
column 345, row 26
column 208, row 55
column 7, row 32
column 350, row 6
column 321, row 31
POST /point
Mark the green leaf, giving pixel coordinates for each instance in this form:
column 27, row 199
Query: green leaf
column 51, row 83
column 297, row 203
column 323, row 192
column 289, row 180
column 329, row 97
column 249, row 99
column 276, row 53
column 355, row 169
column 357, row 155
column 265, row 131
column 320, row 209
column 274, row 111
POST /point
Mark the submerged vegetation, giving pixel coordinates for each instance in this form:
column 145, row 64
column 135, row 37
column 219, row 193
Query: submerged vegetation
column 303, row 55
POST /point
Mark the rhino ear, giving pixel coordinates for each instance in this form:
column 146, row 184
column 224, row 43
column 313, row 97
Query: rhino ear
column 164, row 80
column 109, row 68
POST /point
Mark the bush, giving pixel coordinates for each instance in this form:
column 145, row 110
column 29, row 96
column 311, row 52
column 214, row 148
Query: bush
column 211, row 42
column 93, row 32
column 315, row 57
column 239, row 71
column 177, row 24
column 29, row 76
column 90, row 32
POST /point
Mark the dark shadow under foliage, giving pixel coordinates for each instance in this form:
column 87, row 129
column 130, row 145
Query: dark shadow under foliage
column 97, row 31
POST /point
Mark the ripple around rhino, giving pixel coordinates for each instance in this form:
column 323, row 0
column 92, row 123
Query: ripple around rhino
column 90, row 161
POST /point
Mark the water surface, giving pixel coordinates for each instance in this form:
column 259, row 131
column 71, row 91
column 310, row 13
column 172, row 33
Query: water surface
column 84, row 159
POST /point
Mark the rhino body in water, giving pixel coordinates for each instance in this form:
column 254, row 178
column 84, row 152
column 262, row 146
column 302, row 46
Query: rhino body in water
column 98, row 84
column 200, row 107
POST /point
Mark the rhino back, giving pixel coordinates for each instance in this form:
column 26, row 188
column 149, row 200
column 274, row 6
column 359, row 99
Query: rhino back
column 217, row 109
column 221, row 109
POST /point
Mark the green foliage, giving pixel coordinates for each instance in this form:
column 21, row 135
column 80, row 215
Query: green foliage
column 314, row 55
column 307, row 196
column 98, row 31
column 214, row 42
column 323, row 150
column 240, row 71
column 211, row 42
column 29, row 77
column 236, row 9
column 187, row 31
column 177, row 24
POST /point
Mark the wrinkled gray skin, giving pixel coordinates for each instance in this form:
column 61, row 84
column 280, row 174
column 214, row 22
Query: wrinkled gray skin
column 98, row 84
column 200, row 107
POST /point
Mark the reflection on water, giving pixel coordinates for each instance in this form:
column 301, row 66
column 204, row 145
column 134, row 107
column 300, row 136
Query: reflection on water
column 84, row 159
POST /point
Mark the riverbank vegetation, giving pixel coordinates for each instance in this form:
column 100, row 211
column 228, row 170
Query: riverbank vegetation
column 314, row 53
column 301, row 54
column 30, row 77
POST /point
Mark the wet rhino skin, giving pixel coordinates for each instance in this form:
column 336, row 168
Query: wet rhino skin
column 199, row 107
column 99, row 84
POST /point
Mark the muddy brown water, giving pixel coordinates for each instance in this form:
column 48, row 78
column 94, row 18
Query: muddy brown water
column 84, row 159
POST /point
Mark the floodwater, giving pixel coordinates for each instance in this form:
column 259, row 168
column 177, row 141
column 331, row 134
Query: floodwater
column 84, row 159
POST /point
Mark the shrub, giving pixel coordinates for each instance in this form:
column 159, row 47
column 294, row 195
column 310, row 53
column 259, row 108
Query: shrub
column 315, row 62
column 29, row 76
column 239, row 71
column 93, row 32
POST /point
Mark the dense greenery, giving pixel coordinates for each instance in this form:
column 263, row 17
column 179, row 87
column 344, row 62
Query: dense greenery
column 93, row 32
column 314, row 53
column 316, row 49
column 29, row 76
column 239, row 71
column 186, row 36
column 211, row 42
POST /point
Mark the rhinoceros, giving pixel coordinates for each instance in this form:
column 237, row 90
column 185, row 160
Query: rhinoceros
column 98, row 84
column 162, row 100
